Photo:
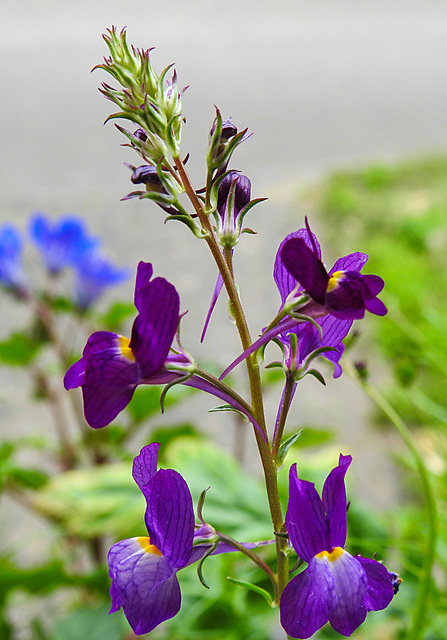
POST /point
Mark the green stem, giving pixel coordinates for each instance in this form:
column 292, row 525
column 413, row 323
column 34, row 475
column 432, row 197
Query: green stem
column 254, row 377
column 253, row 556
column 420, row 607
column 285, row 407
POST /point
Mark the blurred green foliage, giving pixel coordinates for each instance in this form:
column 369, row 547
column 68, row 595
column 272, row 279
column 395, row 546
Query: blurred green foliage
column 398, row 215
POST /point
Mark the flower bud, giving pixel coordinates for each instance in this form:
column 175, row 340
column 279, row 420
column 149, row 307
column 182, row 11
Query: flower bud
column 224, row 138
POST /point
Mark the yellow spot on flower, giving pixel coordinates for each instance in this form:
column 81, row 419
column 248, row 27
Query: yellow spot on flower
column 125, row 349
column 145, row 543
column 331, row 555
column 334, row 280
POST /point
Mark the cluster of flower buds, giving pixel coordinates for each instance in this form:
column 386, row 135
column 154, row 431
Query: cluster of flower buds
column 144, row 98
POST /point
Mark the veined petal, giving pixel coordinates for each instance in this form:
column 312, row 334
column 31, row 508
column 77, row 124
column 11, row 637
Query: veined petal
column 169, row 516
column 285, row 282
column 145, row 464
column 144, row 585
column 305, row 267
column 379, row 592
column 334, row 502
column 155, row 326
column 304, row 605
column 306, row 522
column 347, row 608
column 110, row 378
column 351, row 262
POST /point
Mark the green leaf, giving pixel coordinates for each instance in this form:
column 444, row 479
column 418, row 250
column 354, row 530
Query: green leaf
column 285, row 446
column 316, row 374
column 253, row 587
column 227, row 407
column 18, row 350
column 309, row 437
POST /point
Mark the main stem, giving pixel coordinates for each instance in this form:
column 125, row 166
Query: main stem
column 253, row 376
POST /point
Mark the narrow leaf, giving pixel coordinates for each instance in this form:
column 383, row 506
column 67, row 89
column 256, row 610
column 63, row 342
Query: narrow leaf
column 253, row 587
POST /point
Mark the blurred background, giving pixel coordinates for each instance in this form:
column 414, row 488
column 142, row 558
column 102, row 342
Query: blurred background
column 348, row 109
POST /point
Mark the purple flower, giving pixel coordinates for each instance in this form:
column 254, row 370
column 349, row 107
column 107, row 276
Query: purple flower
column 333, row 329
column 336, row 586
column 12, row 275
column 94, row 273
column 143, row 569
column 60, row 242
column 112, row 366
column 343, row 292
column 334, row 324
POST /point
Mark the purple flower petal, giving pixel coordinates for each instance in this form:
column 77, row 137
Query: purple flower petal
column 346, row 300
column 144, row 274
column 334, row 502
column 285, row 282
column 379, row 592
column 304, row 603
column 306, row 522
column 155, row 326
column 376, row 306
column 75, row 375
column 351, row 262
column 169, row 516
column 281, row 327
column 144, row 465
column 347, row 603
column 144, row 584
column 110, row 378
column 306, row 268
column 374, row 284
column 214, row 298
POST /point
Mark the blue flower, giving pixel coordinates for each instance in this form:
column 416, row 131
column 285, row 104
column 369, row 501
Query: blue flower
column 60, row 242
column 94, row 273
column 12, row 275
